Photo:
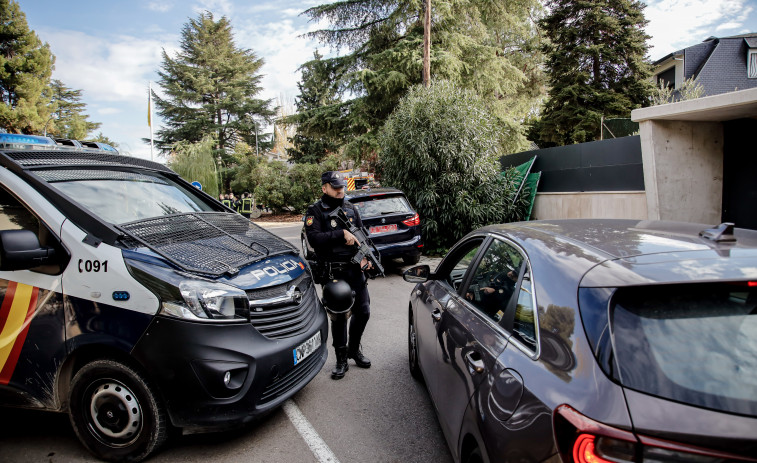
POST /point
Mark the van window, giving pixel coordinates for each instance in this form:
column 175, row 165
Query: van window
column 121, row 196
column 14, row 216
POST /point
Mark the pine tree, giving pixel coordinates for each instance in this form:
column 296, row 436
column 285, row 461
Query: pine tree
column 596, row 66
column 210, row 89
column 26, row 65
column 317, row 90
column 70, row 120
column 489, row 47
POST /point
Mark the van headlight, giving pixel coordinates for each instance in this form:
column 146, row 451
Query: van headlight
column 206, row 300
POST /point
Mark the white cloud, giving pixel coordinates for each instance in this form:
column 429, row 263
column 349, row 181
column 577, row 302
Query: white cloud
column 113, row 69
column 676, row 24
column 217, row 7
column 108, row 111
column 162, row 7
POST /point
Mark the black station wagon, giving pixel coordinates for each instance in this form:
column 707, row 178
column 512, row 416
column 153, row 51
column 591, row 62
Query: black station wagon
column 591, row 341
column 392, row 224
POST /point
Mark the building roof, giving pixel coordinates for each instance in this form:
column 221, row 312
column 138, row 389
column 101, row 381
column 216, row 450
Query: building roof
column 719, row 64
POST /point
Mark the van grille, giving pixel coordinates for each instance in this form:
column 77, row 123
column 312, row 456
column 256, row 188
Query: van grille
column 211, row 243
column 286, row 319
column 295, row 376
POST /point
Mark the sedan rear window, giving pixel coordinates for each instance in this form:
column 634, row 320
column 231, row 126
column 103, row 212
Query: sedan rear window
column 695, row 344
column 378, row 206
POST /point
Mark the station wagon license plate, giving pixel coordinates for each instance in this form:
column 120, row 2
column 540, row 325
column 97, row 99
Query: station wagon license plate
column 302, row 351
column 383, row 229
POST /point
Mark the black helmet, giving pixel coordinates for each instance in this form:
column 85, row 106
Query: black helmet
column 338, row 298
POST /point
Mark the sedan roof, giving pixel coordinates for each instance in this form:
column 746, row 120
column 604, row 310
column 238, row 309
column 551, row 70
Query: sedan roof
column 633, row 252
column 368, row 192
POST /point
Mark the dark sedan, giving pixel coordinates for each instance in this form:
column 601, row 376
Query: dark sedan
column 591, row 341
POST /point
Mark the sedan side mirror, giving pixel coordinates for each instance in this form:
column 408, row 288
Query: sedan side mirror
column 20, row 250
column 417, row 274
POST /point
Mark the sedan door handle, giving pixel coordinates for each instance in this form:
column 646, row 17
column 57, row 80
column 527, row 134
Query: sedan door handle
column 474, row 365
column 436, row 315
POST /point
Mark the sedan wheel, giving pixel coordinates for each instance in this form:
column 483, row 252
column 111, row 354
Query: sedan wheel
column 412, row 349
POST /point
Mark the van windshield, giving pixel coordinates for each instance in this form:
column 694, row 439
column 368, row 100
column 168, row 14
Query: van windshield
column 125, row 196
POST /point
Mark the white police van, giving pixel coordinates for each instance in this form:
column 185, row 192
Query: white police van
column 139, row 304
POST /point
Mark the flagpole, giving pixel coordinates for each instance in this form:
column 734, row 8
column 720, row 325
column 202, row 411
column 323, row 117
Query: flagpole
column 149, row 119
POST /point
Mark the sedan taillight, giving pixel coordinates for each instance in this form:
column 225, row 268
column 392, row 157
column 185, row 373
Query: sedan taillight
column 413, row 221
column 583, row 440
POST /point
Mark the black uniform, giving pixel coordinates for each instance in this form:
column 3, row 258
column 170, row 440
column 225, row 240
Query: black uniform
column 326, row 236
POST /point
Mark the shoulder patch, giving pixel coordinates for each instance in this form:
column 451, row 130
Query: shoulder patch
column 309, row 220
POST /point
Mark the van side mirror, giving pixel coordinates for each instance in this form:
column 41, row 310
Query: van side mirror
column 20, row 250
column 417, row 274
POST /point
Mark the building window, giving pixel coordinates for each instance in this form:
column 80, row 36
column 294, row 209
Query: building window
column 752, row 64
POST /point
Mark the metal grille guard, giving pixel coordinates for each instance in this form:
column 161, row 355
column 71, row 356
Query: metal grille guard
column 210, row 243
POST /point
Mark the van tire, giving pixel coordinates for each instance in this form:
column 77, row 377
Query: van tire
column 129, row 422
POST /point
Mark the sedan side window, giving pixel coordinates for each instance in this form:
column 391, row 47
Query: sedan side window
column 458, row 261
column 524, row 325
column 493, row 284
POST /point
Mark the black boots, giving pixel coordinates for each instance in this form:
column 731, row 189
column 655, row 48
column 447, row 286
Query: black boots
column 341, row 363
column 360, row 360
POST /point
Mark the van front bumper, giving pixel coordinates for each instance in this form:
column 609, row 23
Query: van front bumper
column 213, row 375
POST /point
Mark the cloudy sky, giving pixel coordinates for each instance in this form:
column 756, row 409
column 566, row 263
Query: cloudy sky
column 111, row 49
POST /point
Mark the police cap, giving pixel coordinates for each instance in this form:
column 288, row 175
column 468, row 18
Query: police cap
column 333, row 177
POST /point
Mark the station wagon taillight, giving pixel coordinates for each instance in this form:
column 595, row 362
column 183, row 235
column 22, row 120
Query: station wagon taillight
column 413, row 221
column 582, row 440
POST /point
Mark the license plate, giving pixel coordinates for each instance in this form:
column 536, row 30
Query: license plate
column 302, row 351
column 383, row 229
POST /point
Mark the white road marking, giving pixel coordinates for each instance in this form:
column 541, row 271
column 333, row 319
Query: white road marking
column 319, row 448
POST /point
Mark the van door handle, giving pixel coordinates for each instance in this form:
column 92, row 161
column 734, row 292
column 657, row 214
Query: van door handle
column 436, row 316
column 475, row 366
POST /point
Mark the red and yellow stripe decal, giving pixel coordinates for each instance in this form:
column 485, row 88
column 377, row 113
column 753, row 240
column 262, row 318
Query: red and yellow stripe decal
column 16, row 312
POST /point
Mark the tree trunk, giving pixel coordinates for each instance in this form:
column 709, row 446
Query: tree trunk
column 427, row 45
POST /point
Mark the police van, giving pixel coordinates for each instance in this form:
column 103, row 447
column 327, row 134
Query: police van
column 140, row 305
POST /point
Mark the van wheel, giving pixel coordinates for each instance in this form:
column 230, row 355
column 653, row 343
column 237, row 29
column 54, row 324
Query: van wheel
column 115, row 412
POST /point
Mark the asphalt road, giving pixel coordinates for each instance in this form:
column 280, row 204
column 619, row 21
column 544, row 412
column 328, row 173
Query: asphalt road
column 372, row 415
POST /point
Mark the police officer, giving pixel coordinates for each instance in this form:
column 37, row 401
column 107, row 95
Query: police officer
column 334, row 244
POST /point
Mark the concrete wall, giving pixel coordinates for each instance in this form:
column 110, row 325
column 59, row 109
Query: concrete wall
column 594, row 204
column 683, row 170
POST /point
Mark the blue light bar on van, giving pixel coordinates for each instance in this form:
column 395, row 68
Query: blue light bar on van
column 25, row 139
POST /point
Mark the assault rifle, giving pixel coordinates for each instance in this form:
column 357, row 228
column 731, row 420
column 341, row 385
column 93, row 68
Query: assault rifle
column 365, row 247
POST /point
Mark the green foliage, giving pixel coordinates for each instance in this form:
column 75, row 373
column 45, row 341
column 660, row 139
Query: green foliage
column 274, row 186
column 195, row 162
column 441, row 147
column 289, row 188
column 317, row 89
column 70, row 120
column 690, row 89
column 306, row 185
column 245, row 170
column 210, row 88
column 596, row 66
column 26, row 65
column 489, row 47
